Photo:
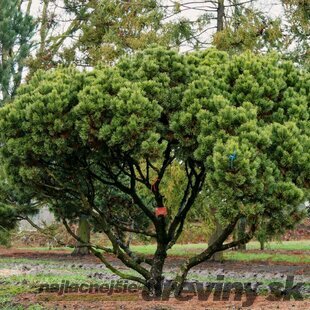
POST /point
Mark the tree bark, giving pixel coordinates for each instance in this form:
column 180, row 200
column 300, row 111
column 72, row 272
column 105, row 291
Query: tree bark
column 241, row 233
column 218, row 256
column 5, row 81
column 83, row 234
column 220, row 15
column 217, row 246
column 44, row 27
column 156, row 279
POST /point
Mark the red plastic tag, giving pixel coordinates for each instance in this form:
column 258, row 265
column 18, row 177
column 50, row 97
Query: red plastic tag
column 162, row 211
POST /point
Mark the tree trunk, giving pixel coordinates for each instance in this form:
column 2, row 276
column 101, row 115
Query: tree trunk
column 220, row 15
column 218, row 256
column 241, row 232
column 5, row 79
column 84, row 234
column 156, row 280
column 44, row 27
column 262, row 245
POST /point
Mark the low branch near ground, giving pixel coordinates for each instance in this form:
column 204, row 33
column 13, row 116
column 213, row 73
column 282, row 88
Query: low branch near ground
column 217, row 246
column 116, row 271
column 129, row 261
column 116, row 242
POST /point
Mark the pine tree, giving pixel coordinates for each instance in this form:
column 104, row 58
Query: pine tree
column 297, row 13
column 239, row 126
column 16, row 31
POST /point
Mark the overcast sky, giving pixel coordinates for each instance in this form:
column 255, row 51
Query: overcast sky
column 272, row 8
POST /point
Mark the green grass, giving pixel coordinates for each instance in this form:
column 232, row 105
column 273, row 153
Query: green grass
column 192, row 249
column 179, row 249
column 277, row 257
column 300, row 245
column 8, row 292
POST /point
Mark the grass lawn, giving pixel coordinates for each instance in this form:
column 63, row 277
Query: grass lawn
column 276, row 257
column 191, row 249
column 178, row 249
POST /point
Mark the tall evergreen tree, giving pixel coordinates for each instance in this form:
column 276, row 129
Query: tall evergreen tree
column 298, row 15
column 112, row 28
column 85, row 32
column 16, row 32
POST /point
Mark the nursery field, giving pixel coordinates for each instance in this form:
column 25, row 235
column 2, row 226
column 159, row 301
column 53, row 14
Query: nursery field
column 154, row 154
column 39, row 278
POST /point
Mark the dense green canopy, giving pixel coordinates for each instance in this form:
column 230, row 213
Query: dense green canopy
column 237, row 126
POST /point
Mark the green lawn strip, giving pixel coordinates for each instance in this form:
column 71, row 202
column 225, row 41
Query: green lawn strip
column 298, row 245
column 276, row 257
column 189, row 249
column 7, row 295
column 192, row 249
column 177, row 250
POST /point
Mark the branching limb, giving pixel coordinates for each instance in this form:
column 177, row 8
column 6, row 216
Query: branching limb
column 130, row 191
column 83, row 243
column 188, row 200
column 138, row 258
column 115, row 270
column 130, row 262
column 59, row 241
column 217, row 246
column 133, row 229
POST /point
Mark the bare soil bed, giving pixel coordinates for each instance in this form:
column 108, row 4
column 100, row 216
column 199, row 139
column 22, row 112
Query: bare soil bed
column 135, row 302
column 258, row 270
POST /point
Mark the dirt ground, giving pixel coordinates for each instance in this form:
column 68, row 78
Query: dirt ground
column 129, row 301
column 135, row 302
